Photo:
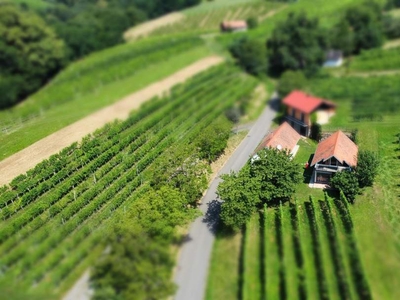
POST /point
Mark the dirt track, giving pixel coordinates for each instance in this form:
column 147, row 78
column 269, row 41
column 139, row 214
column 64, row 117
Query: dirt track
column 147, row 27
column 26, row 159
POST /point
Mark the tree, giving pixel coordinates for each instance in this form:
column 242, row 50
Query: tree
column 365, row 21
column 268, row 178
column 277, row 173
column 252, row 22
column 290, row 81
column 250, row 55
column 367, row 167
column 342, row 37
column 137, row 266
column 347, row 182
column 30, row 53
column 214, row 139
column 240, row 193
column 297, row 44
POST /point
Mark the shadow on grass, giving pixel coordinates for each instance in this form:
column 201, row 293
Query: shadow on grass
column 308, row 171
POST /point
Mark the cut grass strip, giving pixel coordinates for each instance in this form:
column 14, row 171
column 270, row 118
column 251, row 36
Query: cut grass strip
column 223, row 279
column 273, row 286
column 251, row 273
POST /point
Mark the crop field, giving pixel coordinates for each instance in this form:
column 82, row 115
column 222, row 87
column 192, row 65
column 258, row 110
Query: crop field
column 209, row 20
column 66, row 202
column 302, row 250
column 90, row 84
column 376, row 60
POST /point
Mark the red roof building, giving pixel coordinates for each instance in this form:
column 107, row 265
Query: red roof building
column 300, row 106
column 283, row 138
column 336, row 153
column 234, row 25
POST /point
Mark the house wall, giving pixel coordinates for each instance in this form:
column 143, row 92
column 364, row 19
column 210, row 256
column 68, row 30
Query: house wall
column 297, row 115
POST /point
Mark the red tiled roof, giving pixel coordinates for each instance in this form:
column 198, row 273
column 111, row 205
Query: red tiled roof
column 284, row 137
column 339, row 146
column 304, row 103
column 234, row 24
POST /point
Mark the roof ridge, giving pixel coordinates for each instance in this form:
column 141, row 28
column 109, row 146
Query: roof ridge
column 336, row 143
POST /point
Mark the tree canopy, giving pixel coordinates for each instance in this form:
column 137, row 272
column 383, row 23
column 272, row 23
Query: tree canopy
column 347, row 182
column 30, row 53
column 268, row 178
column 298, row 43
column 250, row 55
column 367, row 167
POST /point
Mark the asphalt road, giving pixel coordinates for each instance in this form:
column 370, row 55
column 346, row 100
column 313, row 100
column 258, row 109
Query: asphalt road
column 193, row 262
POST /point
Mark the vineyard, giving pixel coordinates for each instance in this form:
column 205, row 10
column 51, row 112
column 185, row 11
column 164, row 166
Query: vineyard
column 96, row 71
column 209, row 20
column 67, row 201
column 362, row 94
column 305, row 250
column 376, row 60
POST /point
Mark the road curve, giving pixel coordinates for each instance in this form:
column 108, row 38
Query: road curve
column 29, row 157
column 193, row 262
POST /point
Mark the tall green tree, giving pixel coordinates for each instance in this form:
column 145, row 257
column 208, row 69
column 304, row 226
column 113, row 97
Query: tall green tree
column 250, row 55
column 347, row 182
column 214, row 139
column 366, row 23
column 290, row 81
column 268, row 178
column 30, row 53
column 367, row 167
column 298, row 43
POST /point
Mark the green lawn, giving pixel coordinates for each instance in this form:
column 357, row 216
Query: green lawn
column 224, row 272
column 56, row 118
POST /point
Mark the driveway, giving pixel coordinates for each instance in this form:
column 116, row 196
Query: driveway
column 193, row 262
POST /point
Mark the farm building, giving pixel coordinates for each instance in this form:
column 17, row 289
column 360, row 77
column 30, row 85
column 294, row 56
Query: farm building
column 334, row 58
column 283, row 138
column 334, row 154
column 234, row 26
column 300, row 106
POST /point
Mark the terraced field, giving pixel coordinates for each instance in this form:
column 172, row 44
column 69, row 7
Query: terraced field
column 66, row 202
column 209, row 19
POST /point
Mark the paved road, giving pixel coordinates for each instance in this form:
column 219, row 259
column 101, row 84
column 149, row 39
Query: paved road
column 192, row 270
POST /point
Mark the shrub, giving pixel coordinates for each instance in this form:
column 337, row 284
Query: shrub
column 367, row 167
column 347, row 182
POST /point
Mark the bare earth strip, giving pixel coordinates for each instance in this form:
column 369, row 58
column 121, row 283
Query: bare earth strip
column 28, row 158
column 148, row 27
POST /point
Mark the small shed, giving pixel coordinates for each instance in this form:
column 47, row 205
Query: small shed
column 333, row 58
column 234, row 26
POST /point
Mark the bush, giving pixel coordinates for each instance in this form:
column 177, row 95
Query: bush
column 347, row 182
column 250, row 55
column 289, row 81
column 252, row 22
column 367, row 167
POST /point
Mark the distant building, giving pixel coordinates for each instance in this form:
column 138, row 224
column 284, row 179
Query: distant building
column 334, row 154
column 234, row 26
column 300, row 106
column 283, row 138
column 334, row 58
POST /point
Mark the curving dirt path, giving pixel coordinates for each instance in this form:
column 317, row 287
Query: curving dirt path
column 146, row 28
column 29, row 157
